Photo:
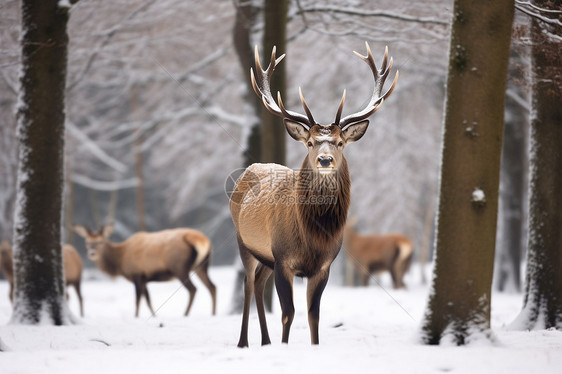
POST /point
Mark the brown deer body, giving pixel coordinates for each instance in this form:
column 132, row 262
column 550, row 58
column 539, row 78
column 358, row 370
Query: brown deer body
column 376, row 253
column 72, row 269
column 291, row 223
column 158, row 256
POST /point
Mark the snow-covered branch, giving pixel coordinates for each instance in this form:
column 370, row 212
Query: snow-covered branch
column 371, row 13
column 535, row 12
column 104, row 185
column 95, row 150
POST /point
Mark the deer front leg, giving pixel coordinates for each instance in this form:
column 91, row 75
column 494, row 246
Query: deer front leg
column 315, row 288
column 284, row 286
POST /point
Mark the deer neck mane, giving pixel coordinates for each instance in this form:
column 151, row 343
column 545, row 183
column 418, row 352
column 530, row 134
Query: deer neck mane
column 323, row 202
column 111, row 258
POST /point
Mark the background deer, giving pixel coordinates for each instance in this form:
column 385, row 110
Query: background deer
column 158, row 256
column 376, row 253
column 292, row 222
column 72, row 269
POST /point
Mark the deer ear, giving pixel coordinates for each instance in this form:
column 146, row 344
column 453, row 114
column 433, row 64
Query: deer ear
column 107, row 230
column 80, row 230
column 356, row 131
column 296, row 130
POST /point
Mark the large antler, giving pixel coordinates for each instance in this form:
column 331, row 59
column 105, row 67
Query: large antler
column 262, row 87
column 376, row 99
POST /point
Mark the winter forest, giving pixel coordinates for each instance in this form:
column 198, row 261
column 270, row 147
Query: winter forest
column 126, row 129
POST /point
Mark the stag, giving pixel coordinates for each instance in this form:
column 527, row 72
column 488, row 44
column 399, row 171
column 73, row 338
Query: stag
column 291, row 223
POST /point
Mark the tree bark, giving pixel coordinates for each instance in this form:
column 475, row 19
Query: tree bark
column 542, row 306
column 273, row 130
column 459, row 305
column 246, row 14
column 39, row 282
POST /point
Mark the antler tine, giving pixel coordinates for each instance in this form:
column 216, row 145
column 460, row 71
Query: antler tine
column 307, row 111
column 340, row 109
column 376, row 98
column 384, row 60
column 389, row 91
column 262, row 87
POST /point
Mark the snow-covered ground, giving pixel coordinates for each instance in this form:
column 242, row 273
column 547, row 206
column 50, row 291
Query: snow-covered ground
column 361, row 330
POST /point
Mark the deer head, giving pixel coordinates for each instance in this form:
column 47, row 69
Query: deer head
column 324, row 142
column 95, row 240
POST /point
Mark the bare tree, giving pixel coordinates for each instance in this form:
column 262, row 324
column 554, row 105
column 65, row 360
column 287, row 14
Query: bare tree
column 39, row 281
column 459, row 305
column 542, row 304
column 513, row 176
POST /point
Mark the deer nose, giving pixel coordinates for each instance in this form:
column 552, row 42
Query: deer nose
column 325, row 161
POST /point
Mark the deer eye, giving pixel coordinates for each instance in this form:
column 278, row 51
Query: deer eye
column 309, row 144
column 340, row 144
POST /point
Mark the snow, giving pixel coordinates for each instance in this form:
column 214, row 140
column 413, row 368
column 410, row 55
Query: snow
column 361, row 329
column 65, row 4
column 478, row 196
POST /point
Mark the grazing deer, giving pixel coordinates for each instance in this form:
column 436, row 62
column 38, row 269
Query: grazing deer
column 376, row 253
column 158, row 256
column 291, row 223
column 72, row 269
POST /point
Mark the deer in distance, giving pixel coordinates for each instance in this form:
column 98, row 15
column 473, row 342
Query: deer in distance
column 72, row 269
column 291, row 223
column 157, row 256
column 372, row 254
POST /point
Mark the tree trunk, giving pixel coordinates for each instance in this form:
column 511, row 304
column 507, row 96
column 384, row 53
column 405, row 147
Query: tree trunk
column 266, row 143
column 512, row 184
column 39, row 282
column 273, row 129
column 459, row 305
column 543, row 291
column 139, row 162
column 246, row 14
column 139, row 173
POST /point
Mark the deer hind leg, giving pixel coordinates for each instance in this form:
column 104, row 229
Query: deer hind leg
column 262, row 275
column 11, row 293
column 202, row 273
column 192, row 291
column 398, row 274
column 79, row 294
column 403, row 264
column 284, row 286
column 365, row 275
column 147, row 297
column 315, row 288
column 182, row 271
column 138, row 293
column 395, row 268
column 250, row 265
